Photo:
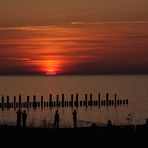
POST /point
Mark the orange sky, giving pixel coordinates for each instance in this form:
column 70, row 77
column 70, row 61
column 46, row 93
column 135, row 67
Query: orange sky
column 47, row 12
column 50, row 37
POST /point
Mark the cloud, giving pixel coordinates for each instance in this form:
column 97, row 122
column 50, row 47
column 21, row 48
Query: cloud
column 77, row 23
column 108, row 22
column 50, row 27
column 19, row 59
column 30, row 28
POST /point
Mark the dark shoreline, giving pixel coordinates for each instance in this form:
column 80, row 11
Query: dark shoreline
column 89, row 136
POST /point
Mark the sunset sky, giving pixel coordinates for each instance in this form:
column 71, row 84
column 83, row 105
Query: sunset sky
column 73, row 37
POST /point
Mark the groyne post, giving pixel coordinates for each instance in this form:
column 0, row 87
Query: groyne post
column 3, row 103
column 14, row 102
column 71, row 100
column 41, row 101
column 86, row 100
column 91, row 102
column 50, row 100
column 99, row 99
column 20, row 101
column 115, row 99
column 34, row 102
column 107, row 99
column 8, row 105
column 28, row 98
column 63, row 100
column 126, row 101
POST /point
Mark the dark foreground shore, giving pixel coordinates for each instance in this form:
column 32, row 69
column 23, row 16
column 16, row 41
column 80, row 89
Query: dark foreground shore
column 116, row 136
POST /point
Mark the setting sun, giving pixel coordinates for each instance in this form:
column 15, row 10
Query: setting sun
column 51, row 72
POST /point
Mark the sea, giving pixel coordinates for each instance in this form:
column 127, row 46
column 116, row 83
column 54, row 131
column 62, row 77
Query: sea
column 131, row 87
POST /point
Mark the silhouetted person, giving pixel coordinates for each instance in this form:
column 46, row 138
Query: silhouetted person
column 24, row 117
column 147, row 121
column 56, row 119
column 19, row 115
column 75, row 118
column 129, row 119
column 109, row 123
column 93, row 125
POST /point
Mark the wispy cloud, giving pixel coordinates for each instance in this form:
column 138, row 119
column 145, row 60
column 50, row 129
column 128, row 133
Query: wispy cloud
column 108, row 22
column 51, row 27
column 31, row 28
column 77, row 23
column 19, row 59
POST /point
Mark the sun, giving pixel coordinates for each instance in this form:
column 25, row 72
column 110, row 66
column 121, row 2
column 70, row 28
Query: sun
column 51, row 72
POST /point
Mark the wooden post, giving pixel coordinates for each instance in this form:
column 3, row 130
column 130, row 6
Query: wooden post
column 99, row 100
column 118, row 101
column 50, row 100
column 91, row 102
column 34, row 102
column 14, row 102
column 8, row 105
column 123, row 102
column 86, row 100
column 42, row 101
column 28, row 97
column 62, row 100
column 126, row 101
column 107, row 99
column 115, row 99
column 71, row 100
column 80, row 103
column 3, row 103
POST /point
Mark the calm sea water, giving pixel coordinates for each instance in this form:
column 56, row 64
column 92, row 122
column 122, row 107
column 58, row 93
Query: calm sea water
column 132, row 87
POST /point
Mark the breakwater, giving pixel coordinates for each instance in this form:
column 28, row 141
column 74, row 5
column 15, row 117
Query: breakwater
column 60, row 101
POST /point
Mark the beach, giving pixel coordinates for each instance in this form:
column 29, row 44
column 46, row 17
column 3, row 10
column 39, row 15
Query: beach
column 107, row 136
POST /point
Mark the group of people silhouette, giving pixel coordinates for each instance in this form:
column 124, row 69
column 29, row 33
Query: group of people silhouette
column 21, row 117
column 57, row 119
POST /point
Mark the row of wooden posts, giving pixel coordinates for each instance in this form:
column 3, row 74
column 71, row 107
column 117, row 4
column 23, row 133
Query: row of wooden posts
column 63, row 103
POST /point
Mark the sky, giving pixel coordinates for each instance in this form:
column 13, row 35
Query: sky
column 49, row 37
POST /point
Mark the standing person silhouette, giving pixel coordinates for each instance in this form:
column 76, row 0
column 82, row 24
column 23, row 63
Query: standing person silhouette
column 56, row 119
column 24, row 117
column 129, row 119
column 147, row 121
column 19, row 115
column 75, row 118
column 109, row 123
